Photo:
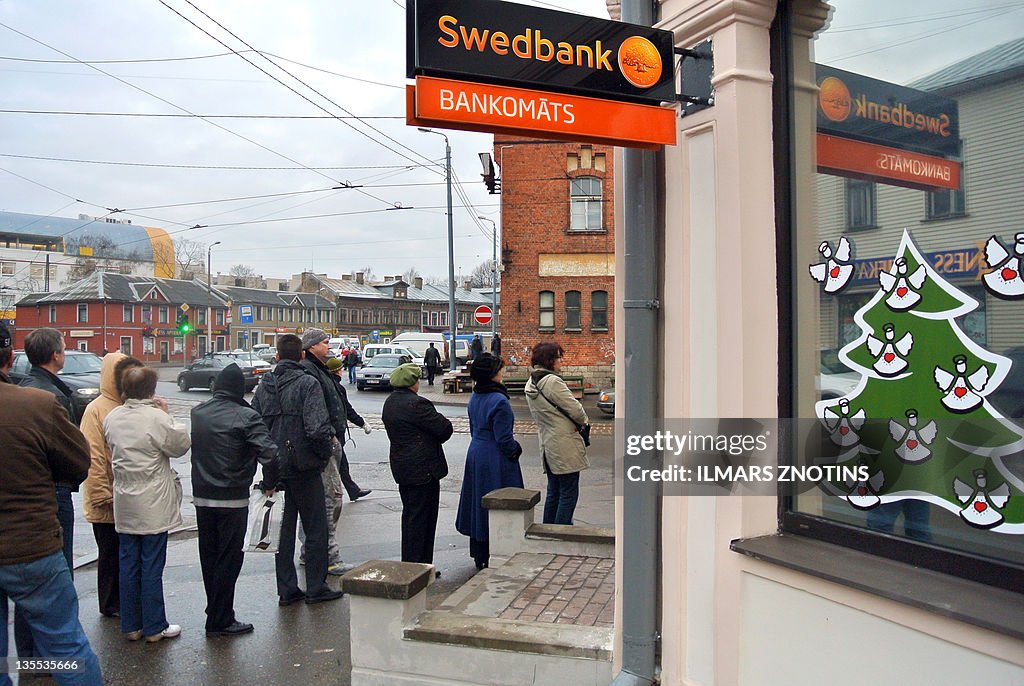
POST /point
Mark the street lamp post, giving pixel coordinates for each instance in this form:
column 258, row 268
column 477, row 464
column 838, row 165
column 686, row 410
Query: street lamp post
column 209, row 299
column 451, row 249
column 494, row 276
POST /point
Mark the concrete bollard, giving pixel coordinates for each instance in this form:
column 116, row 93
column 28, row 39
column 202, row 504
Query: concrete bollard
column 509, row 515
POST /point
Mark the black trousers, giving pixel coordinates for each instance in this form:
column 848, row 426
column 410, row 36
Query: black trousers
column 419, row 521
column 351, row 487
column 221, row 537
column 108, row 570
column 303, row 499
column 431, row 371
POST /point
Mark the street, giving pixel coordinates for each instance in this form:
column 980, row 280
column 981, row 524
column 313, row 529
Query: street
column 308, row 644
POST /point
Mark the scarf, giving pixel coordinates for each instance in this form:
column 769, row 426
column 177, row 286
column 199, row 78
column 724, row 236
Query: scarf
column 490, row 386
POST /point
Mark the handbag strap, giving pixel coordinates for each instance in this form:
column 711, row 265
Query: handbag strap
column 558, row 407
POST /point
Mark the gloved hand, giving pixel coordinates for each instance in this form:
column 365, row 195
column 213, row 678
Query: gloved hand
column 367, row 429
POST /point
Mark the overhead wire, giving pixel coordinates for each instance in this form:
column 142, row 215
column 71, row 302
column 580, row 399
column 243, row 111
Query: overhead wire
column 205, row 166
column 177, row 115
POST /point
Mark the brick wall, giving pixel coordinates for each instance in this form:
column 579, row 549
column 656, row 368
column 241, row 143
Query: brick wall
column 541, row 253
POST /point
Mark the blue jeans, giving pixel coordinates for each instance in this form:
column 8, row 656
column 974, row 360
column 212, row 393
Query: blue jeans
column 66, row 517
column 142, row 560
column 915, row 518
column 563, row 492
column 43, row 592
column 352, row 374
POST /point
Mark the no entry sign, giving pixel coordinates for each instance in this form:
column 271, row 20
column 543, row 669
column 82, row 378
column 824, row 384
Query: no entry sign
column 483, row 314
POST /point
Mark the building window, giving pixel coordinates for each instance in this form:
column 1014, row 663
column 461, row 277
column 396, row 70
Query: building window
column 945, row 204
column 147, row 314
column 162, row 314
column 201, row 317
column 6, row 269
column 433, row 318
column 220, row 319
column 547, row 311
column 585, row 204
column 860, row 204
column 53, row 314
column 443, row 319
column 572, row 311
column 83, row 312
column 599, row 311
column 129, row 314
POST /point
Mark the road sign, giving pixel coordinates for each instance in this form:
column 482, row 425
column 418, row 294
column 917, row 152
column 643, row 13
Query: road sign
column 245, row 314
column 483, row 314
column 184, row 307
column 375, row 335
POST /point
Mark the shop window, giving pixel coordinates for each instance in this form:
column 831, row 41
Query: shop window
column 599, row 311
column 585, row 204
column 572, row 311
column 860, row 204
column 917, row 333
column 547, row 311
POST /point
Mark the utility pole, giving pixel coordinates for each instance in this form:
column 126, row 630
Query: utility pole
column 494, row 276
column 452, row 324
column 209, row 299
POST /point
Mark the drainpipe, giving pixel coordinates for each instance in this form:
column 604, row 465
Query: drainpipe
column 640, row 502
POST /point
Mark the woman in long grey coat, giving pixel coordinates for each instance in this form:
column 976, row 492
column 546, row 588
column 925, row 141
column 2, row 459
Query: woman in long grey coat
column 557, row 414
column 147, row 500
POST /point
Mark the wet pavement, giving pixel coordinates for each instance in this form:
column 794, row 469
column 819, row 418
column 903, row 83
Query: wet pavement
column 301, row 644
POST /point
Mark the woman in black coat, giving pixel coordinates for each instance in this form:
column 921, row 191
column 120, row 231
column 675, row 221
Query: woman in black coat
column 416, row 431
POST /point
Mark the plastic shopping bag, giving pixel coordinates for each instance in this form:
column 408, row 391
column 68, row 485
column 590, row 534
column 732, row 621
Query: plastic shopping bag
column 264, row 532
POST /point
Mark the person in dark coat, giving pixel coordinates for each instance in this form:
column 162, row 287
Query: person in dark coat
column 228, row 439
column 416, row 431
column 476, row 347
column 355, row 492
column 44, row 349
column 496, row 345
column 432, row 361
column 492, row 461
column 292, row 405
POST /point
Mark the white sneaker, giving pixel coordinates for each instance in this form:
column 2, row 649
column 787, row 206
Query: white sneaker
column 172, row 631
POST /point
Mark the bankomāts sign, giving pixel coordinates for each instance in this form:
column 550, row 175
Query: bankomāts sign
column 885, row 132
column 485, row 65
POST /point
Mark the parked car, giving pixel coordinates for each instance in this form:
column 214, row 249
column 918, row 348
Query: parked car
column 202, row 372
column 606, row 402
column 244, row 358
column 81, row 373
column 268, row 354
column 377, row 372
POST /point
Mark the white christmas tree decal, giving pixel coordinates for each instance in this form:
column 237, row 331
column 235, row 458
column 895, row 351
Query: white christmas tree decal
column 913, row 354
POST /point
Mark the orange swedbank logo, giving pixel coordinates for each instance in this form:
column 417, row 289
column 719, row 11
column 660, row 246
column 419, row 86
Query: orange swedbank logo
column 640, row 62
column 834, row 99
column 837, row 104
column 530, row 44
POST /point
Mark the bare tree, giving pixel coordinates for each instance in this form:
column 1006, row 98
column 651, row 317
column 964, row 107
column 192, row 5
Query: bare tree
column 409, row 275
column 246, row 276
column 189, row 258
column 368, row 274
column 482, row 276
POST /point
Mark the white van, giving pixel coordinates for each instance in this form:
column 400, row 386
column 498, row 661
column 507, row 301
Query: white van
column 419, row 342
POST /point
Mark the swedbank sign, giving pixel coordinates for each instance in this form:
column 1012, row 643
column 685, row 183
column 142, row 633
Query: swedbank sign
column 495, row 66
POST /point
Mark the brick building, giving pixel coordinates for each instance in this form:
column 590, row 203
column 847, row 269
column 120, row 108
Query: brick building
column 558, row 253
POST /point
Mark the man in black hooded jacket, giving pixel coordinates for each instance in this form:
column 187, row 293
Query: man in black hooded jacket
column 228, row 439
column 293, row 408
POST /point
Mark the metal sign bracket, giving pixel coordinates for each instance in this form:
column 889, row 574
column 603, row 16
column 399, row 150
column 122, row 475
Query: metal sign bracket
column 695, row 71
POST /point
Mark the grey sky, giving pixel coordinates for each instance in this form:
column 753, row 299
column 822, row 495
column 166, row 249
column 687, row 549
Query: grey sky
column 365, row 40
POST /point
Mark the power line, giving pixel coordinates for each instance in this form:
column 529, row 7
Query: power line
column 175, row 106
column 301, row 95
column 204, row 166
column 176, row 115
column 918, row 19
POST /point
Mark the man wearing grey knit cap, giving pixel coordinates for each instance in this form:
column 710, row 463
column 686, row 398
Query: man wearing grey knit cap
column 315, row 342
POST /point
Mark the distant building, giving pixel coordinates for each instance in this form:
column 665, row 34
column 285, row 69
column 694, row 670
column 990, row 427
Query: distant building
column 41, row 254
column 558, row 254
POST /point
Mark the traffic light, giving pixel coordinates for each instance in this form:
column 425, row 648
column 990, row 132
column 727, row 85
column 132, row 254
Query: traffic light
column 183, row 326
column 491, row 180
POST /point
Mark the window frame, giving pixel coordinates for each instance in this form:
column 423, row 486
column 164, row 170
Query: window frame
column 955, row 563
column 545, row 309
column 594, row 311
column 573, row 310
column 52, row 314
column 79, row 318
column 871, row 189
column 586, row 199
column 957, row 202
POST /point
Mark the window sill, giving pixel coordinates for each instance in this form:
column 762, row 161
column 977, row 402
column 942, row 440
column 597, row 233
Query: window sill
column 599, row 330
column 568, row 330
column 866, row 227
column 945, row 217
column 995, row 609
column 596, row 232
column 545, row 329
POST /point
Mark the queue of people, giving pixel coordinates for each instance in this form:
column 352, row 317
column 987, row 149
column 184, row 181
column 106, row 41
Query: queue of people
column 295, row 430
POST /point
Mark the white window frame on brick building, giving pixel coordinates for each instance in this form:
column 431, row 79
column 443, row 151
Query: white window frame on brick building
column 546, row 310
column 585, row 204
